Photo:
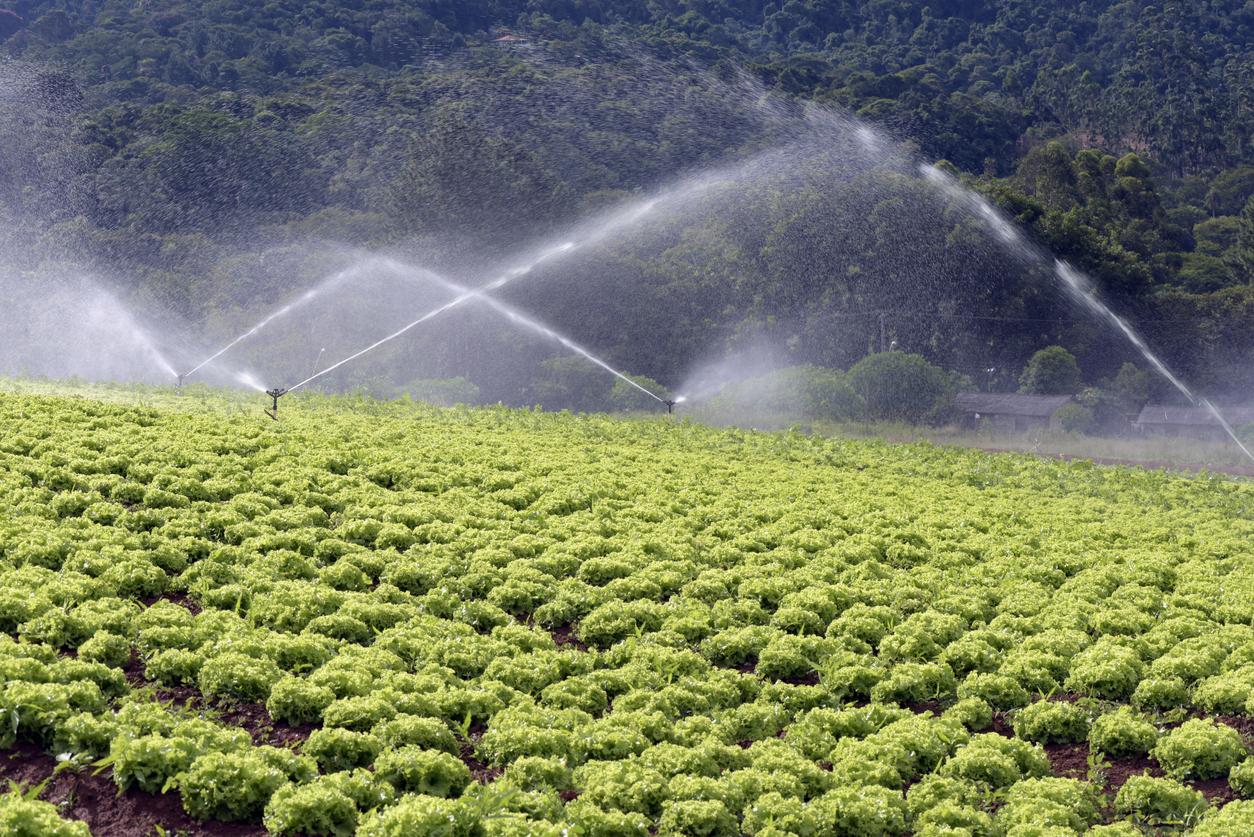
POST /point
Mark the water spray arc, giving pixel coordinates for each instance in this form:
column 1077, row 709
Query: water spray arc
column 469, row 294
column 622, row 219
column 1077, row 284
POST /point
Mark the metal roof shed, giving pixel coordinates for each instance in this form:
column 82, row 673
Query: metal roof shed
column 1011, row 412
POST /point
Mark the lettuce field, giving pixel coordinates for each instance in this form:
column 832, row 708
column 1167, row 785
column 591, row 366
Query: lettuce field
column 393, row 619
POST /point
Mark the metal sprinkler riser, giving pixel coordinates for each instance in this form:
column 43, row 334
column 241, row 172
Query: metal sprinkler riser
column 275, row 394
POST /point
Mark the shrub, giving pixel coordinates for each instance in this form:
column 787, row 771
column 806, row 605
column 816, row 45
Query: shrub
column 234, row 787
column 1122, row 734
column 1199, row 749
column 1049, row 722
column 297, row 701
column 1075, row 418
column 1051, row 371
column 898, row 386
column 1159, row 800
column 341, row 749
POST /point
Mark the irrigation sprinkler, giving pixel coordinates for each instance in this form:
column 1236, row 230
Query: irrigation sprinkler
column 275, row 394
column 669, row 406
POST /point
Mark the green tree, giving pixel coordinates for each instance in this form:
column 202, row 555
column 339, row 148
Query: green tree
column 458, row 181
column 898, row 386
column 1239, row 260
column 1051, row 371
column 626, row 397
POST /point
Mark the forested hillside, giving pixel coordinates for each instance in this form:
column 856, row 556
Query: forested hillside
column 193, row 154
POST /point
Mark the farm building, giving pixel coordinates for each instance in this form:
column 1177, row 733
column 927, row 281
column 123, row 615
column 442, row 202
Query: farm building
column 1010, row 412
column 1190, row 422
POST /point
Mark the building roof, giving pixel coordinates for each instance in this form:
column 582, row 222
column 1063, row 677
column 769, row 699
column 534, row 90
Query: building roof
column 1011, row 403
column 1190, row 415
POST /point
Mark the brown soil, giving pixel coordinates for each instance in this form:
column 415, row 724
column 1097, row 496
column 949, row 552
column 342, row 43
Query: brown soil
column 95, row 801
column 564, row 636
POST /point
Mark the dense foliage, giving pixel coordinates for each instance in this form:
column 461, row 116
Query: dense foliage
column 191, row 153
column 643, row 626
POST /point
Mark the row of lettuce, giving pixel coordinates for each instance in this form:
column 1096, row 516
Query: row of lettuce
column 757, row 616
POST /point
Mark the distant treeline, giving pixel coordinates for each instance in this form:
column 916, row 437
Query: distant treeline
column 192, row 151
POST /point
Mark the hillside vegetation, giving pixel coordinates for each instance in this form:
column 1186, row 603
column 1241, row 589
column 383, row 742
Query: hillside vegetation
column 195, row 154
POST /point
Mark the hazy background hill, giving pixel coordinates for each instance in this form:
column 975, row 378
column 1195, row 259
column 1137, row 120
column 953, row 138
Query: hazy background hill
column 214, row 160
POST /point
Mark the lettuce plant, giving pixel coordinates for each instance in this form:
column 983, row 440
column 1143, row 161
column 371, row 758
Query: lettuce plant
column 972, row 712
column 1241, row 778
column 1160, row 693
column 1234, row 818
column 237, row 675
column 298, row 701
column 1200, row 749
column 997, row 690
column 341, row 749
column 625, row 786
column 21, row 816
column 316, row 808
column 1225, row 694
column 1159, row 800
column 233, row 787
column 411, row 769
column 860, row 812
column 1105, row 670
column 707, row 817
column 1049, row 722
column 1122, row 733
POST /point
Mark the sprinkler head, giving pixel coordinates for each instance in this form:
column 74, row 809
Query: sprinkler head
column 181, row 377
column 275, row 393
column 670, row 405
